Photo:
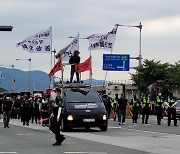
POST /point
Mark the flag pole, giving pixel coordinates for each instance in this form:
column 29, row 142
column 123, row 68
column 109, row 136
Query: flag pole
column 79, row 51
column 51, row 59
column 111, row 54
column 90, row 71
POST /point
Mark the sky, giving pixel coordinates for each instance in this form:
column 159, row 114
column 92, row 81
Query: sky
column 159, row 38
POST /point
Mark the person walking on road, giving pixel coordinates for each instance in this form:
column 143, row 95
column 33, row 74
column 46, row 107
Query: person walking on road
column 171, row 111
column 114, row 106
column 135, row 110
column 159, row 108
column 146, row 107
column 121, row 109
column 7, row 106
column 55, row 118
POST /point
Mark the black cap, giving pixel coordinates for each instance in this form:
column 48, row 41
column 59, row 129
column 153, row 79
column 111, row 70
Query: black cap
column 58, row 90
column 76, row 52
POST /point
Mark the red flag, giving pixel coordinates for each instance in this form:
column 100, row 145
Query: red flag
column 57, row 67
column 85, row 66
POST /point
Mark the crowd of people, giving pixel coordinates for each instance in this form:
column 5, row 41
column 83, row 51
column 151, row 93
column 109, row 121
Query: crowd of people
column 43, row 110
column 28, row 109
column 117, row 108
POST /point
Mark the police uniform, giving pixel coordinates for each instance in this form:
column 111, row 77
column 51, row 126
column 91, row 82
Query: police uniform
column 171, row 110
column 114, row 107
column 135, row 110
column 55, row 124
column 146, row 105
column 159, row 108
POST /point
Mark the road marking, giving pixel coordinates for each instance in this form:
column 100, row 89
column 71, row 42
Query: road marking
column 7, row 152
column 85, row 153
column 24, row 134
column 114, row 127
column 145, row 131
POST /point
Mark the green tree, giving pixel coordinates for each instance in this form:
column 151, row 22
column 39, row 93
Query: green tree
column 149, row 72
column 174, row 75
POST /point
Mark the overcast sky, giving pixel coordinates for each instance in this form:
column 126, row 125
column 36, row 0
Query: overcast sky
column 160, row 33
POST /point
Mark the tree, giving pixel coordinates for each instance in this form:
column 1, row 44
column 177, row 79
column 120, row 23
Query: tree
column 149, row 72
column 174, row 75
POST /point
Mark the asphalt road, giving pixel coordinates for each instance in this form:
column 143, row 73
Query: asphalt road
column 119, row 139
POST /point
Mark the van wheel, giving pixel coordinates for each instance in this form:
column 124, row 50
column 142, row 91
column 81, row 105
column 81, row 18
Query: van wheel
column 103, row 128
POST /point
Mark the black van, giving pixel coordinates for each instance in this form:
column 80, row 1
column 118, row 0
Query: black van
column 82, row 107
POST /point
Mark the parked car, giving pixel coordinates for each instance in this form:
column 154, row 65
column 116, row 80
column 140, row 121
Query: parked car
column 178, row 109
column 82, row 107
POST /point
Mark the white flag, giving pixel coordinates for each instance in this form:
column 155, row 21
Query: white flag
column 38, row 43
column 67, row 52
column 102, row 41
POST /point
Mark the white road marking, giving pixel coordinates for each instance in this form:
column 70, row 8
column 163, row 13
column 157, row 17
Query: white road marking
column 7, row 152
column 24, row 134
column 85, row 153
column 145, row 131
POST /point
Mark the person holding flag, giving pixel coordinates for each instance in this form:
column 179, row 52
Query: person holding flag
column 74, row 59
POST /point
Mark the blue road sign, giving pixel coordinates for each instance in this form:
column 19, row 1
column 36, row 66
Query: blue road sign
column 116, row 62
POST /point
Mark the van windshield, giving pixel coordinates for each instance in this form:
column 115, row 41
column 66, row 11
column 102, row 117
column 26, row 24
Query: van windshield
column 81, row 96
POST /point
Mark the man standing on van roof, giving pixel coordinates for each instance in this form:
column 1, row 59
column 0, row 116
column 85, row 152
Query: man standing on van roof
column 74, row 59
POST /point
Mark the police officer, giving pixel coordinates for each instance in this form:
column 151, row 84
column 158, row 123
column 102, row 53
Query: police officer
column 7, row 106
column 55, row 118
column 135, row 110
column 146, row 107
column 114, row 106
column 159, row 108
column 171, row 103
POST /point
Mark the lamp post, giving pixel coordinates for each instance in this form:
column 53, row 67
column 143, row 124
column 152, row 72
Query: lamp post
column 29, row 59
column 140, row 28
column 13, row 79
column 54, row 51
column 6, row 28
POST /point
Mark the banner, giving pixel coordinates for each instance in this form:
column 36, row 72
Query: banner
column 57, row 67
column 67, row 52
column 85, row 66
column 102, row 41
column 38, row 43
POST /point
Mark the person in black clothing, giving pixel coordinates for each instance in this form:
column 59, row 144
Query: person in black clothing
column 25, row 111
column 7, row 106
column 74, row 59
column 36, row 109
column 45, row 112
column 121, row 108
column 17, row 106
column 136, row 107
column 55, row 118
column 32, row 109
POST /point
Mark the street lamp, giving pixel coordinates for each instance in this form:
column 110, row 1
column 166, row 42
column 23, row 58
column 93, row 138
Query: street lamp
column 140, row 28
column 6, row 28
column 13, row 79
column 29, row 59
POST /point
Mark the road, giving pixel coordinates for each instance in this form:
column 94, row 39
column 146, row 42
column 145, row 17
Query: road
column 119, row 139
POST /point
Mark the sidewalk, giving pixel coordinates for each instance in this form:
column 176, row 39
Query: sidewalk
column 17, row 122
